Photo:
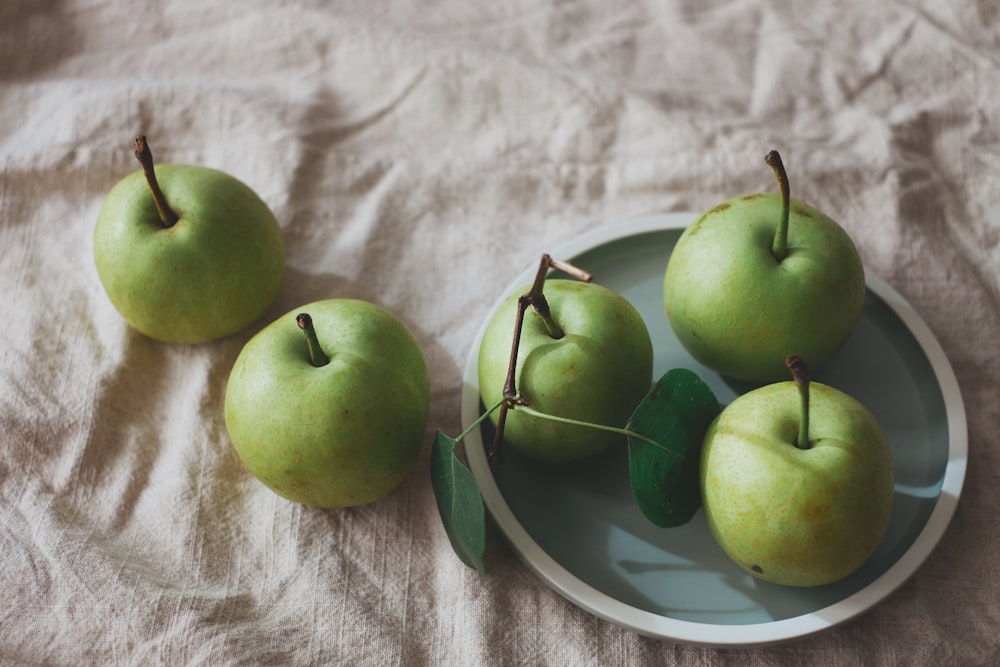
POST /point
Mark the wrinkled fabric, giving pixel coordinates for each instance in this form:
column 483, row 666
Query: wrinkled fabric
column 419, row 155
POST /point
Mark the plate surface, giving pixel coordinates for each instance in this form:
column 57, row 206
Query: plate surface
column 579, row 529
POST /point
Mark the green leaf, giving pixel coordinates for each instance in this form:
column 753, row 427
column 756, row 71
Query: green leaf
column 459, row 501
column 676, row 413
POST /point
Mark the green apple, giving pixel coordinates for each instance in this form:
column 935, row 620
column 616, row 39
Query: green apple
column 760, row 277
column 597, row 370
column 187, row 254
column 797, row 483
column 335, row 417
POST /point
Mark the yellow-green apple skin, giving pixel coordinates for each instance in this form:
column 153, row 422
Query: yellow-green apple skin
column 798, row 517
column 739, row 311
column 597, row 372
column 343, row 434
column 209, row 275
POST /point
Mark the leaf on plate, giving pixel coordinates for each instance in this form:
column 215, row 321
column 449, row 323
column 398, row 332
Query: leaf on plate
column 459, row 501
column 676, row 413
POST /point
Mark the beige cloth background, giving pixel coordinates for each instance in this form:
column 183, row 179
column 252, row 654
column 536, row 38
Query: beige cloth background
column 419, row 154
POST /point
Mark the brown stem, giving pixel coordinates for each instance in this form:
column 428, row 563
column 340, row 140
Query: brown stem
column 496, row 449
column 536, row 296
column 566, row 267
column 317, row 357
column 800, row 373
column 779, row 246
column 142, row 153
column 536, row 299
column 509, row 385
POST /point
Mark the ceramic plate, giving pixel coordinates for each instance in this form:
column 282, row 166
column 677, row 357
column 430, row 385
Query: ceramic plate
column 579, row 529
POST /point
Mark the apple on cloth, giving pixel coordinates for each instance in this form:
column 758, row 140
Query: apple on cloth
column 327, row 404
column 187, row 254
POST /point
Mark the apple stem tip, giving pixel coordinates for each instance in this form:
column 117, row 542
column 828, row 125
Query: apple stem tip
column 316, row 355
column 797, row 366
column 570, row 269
column 779, row 246
column 145, row 156
column 536, row 297
column 800, row 374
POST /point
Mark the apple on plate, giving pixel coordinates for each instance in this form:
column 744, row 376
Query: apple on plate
column 797, row 482
column 760, row 277
column 327, row 405
column 585, row 355
column 187, row 254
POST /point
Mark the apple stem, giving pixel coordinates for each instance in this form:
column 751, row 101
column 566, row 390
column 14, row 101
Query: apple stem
column 479, row 420
column 509, row 385
column 800, row 373
column 316, row 355
column 536, row 299
column 145, row 157
column 779, row 246
column 600, row 427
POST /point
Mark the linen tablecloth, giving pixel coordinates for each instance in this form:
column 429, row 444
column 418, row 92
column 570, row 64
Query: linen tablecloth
column 419, row 154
